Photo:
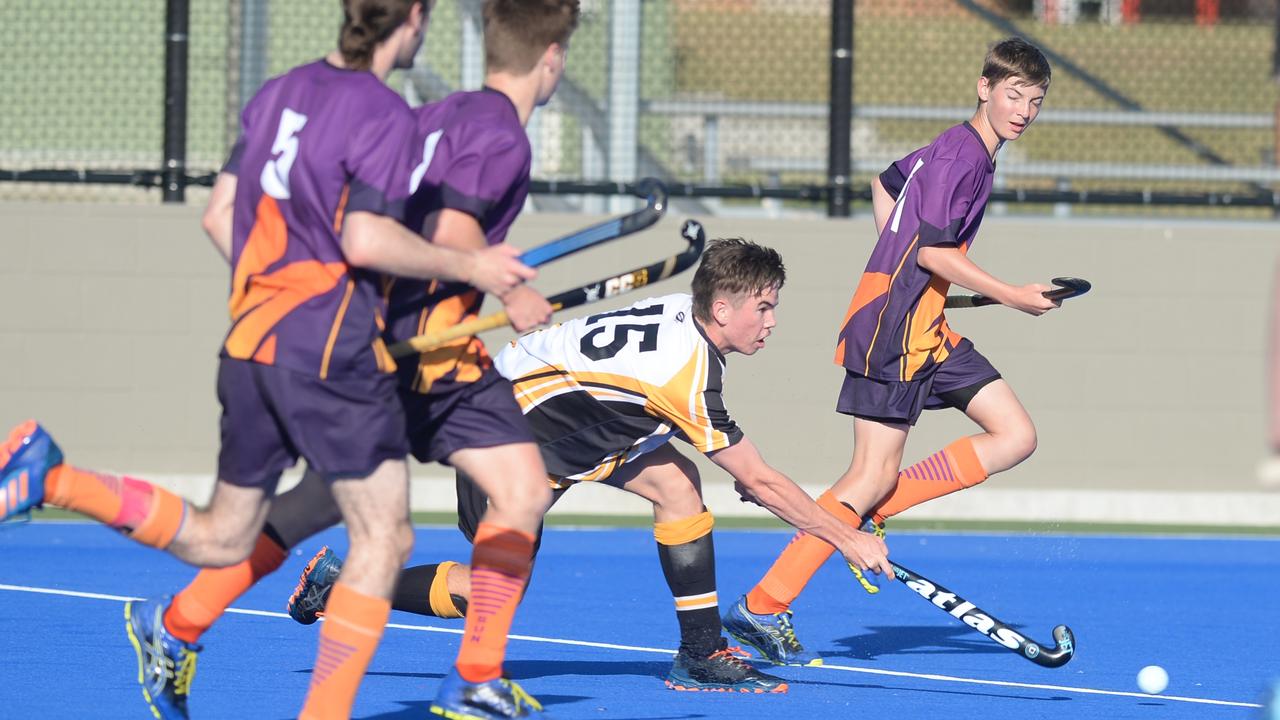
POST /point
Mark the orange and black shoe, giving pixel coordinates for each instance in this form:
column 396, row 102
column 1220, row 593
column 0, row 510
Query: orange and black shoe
column 721, row 671
column 25, row 459
column 306, row 604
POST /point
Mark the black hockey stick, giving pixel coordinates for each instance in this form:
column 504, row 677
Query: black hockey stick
column 966, row 612
column 655, row 195
column 692, row 233
column 1068, row 287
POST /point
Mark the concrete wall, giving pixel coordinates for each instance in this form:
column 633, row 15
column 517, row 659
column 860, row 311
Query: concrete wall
column 113, row 317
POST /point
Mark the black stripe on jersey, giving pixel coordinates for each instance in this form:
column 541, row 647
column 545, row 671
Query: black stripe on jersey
column 615, row 388
column 716, row 411
column 575, row 431
column 538, row 376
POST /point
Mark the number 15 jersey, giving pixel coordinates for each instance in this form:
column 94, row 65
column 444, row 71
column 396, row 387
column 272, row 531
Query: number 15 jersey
column 604, row 389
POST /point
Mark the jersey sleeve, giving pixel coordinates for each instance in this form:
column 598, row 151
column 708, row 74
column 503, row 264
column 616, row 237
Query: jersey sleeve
column 693, row 402
column 947, row 189
column 483, row 168
column 379, row 161
column 895, row 176
column 247, row 122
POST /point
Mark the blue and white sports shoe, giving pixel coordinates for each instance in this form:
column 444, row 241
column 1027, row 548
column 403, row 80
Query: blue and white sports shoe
column 166, row 665
column 869, row 581
column 492, row 700
column 25, row 459
column 772, row 636
column 306, row 604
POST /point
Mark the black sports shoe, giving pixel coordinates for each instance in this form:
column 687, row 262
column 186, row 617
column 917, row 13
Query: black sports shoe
column 721, row 671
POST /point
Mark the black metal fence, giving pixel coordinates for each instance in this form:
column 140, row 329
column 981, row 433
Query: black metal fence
column 1154, row 102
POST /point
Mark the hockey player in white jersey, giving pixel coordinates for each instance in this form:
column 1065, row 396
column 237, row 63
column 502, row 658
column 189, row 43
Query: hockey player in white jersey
column 606, row 393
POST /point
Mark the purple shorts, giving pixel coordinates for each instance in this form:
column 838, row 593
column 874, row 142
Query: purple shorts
column 953, row 384
column 478, row 414
column 271, row 416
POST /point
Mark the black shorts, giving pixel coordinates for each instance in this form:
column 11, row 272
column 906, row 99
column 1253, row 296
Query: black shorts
column 271, row 416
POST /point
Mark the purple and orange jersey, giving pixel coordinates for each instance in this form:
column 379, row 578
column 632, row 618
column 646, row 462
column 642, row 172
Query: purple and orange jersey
column 895, row 329
column 475, row 159
column 316, row 143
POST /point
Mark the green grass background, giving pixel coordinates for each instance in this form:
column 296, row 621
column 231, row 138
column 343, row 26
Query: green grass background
column 83, row 80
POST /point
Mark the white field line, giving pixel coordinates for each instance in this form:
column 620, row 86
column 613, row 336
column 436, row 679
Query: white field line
column 665, row 651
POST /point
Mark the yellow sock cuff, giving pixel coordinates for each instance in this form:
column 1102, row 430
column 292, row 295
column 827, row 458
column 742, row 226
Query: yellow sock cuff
column 679, row 532
column 439, row 598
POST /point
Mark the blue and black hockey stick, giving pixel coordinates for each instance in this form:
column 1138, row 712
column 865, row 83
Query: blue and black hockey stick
column 692, row 233
column 1057, row 655
column 655, row 195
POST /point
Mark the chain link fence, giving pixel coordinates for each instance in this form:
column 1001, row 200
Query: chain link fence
column 1167, row 101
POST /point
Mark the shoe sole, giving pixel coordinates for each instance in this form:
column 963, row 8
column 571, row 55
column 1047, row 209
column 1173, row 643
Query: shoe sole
column 137, row 648
column 303, row 581
column 15, row 493
column 452, row 715
column 726, row 689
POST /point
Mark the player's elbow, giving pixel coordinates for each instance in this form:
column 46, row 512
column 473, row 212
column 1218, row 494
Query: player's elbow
column 360, row 241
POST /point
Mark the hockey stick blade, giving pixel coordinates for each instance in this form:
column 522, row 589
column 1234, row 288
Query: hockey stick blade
column 1068, row 287
column 655, row 195
column 1057, row 655
column 691, row 231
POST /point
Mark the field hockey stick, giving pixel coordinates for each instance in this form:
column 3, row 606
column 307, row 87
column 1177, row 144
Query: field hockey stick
column 1068, row 287
column 692, row 233
column 966, row 612
column 655, row 195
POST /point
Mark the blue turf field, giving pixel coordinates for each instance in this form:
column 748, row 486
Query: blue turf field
column 593, row 631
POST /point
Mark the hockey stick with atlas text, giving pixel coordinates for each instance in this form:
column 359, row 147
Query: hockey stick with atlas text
column 1057, row 655
column 692, row 233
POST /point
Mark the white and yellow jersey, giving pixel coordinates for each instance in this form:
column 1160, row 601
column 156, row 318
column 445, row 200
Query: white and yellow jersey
column 604, row 389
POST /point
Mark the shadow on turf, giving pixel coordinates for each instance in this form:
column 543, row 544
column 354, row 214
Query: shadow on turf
column 918, row 640
column 932, row 691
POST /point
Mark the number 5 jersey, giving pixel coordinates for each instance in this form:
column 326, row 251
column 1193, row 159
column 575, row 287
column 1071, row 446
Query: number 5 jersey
column 604, row 389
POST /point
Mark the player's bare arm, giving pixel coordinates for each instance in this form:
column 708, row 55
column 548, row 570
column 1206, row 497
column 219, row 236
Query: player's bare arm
column 526, row 308
column 881, row 204
column 955, row 267
column 780, row 495
column 382, row 243
column 217, row 214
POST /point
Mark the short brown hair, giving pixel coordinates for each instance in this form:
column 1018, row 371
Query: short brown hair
column 733, row 266
column 517, row 32
column 366, row 23
column 1015, row 57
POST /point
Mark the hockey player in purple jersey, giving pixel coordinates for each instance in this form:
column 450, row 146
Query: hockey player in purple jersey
column 308, row 210
column 899, row 354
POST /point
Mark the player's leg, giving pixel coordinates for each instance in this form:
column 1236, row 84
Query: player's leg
column 966, row 381
column 514, row 480
column 375, row 510
column 682, row 527
column 304, row 510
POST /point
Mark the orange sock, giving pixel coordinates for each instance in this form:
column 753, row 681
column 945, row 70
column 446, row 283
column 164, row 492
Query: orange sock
column 500, row 565
column 797, row 563
column 952, row 468
column 194, row 610
column 147, row 513
column 353, row 625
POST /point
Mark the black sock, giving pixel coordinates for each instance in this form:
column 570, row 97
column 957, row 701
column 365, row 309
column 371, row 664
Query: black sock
column 690, row 569
column 413, row 590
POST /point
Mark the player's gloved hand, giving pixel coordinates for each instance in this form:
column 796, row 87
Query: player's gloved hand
column 1030, row 299
column 866, row 552
column 496, row 269
column 526, row 308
